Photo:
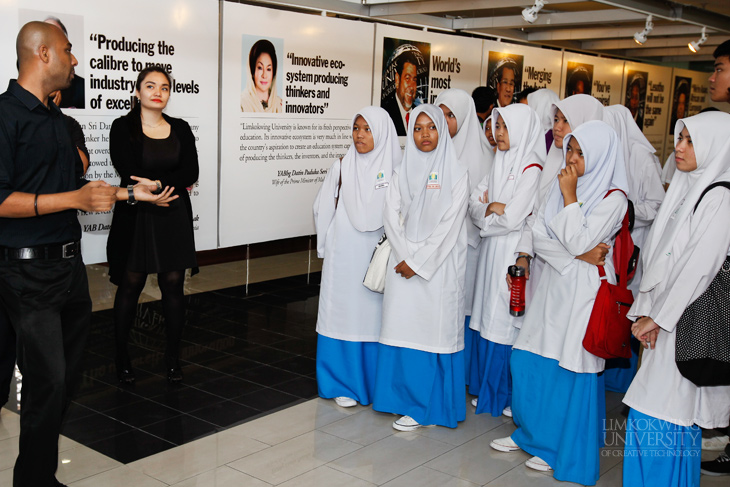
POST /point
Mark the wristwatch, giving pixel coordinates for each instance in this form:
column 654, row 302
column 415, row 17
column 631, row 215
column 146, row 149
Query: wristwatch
column 130, row 195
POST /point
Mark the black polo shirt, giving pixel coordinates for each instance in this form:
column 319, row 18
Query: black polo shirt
column 36, row 156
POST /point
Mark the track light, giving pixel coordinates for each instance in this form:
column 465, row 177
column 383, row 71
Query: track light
column 640, row 37
column 695, row 46
column 530, row 14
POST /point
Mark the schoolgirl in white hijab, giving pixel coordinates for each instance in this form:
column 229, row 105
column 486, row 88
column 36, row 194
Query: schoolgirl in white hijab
column 349, row 223
column 556, row 395
column 684, row 251
column 567, row 115
column 499, row 206
column 542, row 102
column 475, row 152
column 646, row 193
column 420, row 370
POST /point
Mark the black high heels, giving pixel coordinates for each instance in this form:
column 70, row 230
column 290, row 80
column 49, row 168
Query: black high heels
column 125, row 374
column 174, row 371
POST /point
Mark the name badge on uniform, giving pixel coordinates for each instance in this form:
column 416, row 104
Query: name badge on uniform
column 380, row 181
column 433, row 181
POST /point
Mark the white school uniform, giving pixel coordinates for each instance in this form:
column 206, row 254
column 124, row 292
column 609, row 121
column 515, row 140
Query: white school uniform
column 683, row 253
column 513, row 180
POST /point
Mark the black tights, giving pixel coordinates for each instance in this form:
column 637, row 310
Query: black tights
column 173, row 309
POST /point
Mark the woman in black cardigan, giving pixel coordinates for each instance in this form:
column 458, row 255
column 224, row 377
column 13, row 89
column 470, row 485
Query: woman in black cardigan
column 148, row 146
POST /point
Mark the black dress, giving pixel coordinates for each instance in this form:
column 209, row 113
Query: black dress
column 144, row 237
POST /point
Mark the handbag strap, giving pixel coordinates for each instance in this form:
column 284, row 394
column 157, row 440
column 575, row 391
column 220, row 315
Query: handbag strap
column 724, row 184
column 339, row 185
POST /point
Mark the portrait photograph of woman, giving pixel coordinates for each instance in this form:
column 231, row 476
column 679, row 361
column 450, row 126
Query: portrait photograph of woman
column 259, row 68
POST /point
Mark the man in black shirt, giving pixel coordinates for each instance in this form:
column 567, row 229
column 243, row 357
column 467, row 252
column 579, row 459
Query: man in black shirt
column 43, row 284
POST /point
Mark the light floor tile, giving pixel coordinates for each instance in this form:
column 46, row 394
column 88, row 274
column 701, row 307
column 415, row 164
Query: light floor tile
column 232, row 445
column 6, row 478
column 82, row 462
column 426, row 477
column 294, row 421
column 8, row 452
column 222, row 477
column 294, row 457
column 522, row 476
column 612, row 478
column 119, row 477
column 66, row 444
column 9, row 424
column 364, row 428
column 181, row 462
column 390, row 457
column 325, row 477
column 476, row 461
column 474, row 425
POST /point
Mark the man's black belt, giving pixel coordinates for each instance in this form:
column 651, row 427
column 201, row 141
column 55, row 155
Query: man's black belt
column 52, row 251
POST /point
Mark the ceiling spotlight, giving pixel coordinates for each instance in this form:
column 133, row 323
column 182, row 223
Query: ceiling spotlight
column 695, row 46
column 640, row 37
column 530, row 14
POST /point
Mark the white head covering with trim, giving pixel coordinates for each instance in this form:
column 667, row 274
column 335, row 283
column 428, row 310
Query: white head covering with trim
column 542, row 102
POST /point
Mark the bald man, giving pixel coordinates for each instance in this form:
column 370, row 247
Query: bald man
column 43, row 285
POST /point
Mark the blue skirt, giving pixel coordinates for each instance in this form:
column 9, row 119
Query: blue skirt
column 469, row 337
column 661, row 454
column 346, row 369
column 558, row 416
column 621, row 371
column 490, row 376
column 428, row 387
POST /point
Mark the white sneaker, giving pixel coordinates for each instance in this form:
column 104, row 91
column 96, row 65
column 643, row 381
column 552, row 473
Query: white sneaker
column 345, row 402
column 507, row 411
column 475, row 401
column 537, row 463
column 406, row 423
column 716, row 443
column 504, row 444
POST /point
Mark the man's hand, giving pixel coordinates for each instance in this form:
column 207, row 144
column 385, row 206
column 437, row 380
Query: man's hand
column 96, row 196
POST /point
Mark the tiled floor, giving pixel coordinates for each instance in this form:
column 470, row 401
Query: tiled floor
column 246, row 356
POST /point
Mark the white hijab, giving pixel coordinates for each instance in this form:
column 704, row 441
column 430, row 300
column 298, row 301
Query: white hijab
column 527, row 146
column 577, row 110
column 542, row 102
column 604, row 169
column 632, row 141
column 709, row 132
column 421, row 208
column 361, row 173
column 250, row 101
column 470, row 142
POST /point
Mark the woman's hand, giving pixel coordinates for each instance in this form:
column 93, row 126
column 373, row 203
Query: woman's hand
column 646, row 331
column 404, row 270
column 485, row 197
column 597, row 255
column 568, row 181
column 495, row 207
column 154, row 186
column 142, row 192
column 521, row 261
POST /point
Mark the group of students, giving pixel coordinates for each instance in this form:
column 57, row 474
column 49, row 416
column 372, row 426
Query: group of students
column 550, row 197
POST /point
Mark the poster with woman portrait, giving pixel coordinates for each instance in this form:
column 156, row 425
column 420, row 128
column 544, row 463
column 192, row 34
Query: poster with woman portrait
column 635, row 95
column 404, row 84
column 261, row 89
column 579, row 79
column 680, row 100
column 505, row 76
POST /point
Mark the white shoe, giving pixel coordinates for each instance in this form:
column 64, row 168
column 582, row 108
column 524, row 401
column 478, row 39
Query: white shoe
column 406, row 423
column 537, row 463
column 504, row 444
column 716, row 443
column 507, row 412
column 345, row 402
column 475, row 401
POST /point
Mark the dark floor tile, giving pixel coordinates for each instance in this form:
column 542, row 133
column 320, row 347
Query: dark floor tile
column 181, row 429
column 268, row 355
column 231, row 364
column 142, row 414
column 266, row 399
column 267, row 376
column 130, row 446
column 107, row 397
column 94, row 427
column 225, row 414
column 304, row 387
column 186, row 399
column 194, row 374
column 297, row 346
column 299, row 365
column 229, row 387
column 77, row 411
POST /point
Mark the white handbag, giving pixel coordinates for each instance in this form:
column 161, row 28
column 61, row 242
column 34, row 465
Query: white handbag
column 375, row 275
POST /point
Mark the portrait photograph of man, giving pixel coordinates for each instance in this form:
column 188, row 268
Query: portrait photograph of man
column 405, row 79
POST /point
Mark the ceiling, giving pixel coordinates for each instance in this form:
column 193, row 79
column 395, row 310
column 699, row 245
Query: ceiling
column 603, row 27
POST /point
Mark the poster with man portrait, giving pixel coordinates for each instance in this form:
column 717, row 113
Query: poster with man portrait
column 635, row 95
column 505, row 75
column 579, row 79
column 405, row 80
column 680, row 100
